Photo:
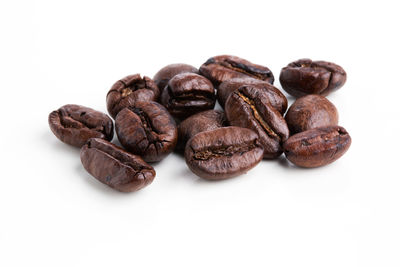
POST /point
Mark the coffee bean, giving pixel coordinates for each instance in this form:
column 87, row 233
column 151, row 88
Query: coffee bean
column 247, row 108
column 147, row 129
column 200, row 122
column 271, row 93
column 165, row 74
column 311, row 111
column 125, row 92
column 115, row 167
column 221, row 68
column 223, row 152
column 74, row 124
column 187, row 94
column 305, row 76
column 317, row 147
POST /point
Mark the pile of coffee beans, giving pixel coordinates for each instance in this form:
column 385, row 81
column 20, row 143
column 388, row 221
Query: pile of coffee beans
column 174, row 111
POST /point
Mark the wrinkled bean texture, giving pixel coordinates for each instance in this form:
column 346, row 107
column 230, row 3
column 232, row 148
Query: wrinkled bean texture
column 187, row 94
column 75, row 124
column 148, row 130
column 305, row 76
column 200, row 122
column 309, row 112
column 221, row 68
column 223, row 153
column 125, row 92
column 115, row 167
column 270, row 92
column 165, row 74
column 317, row 147
column 247, row 108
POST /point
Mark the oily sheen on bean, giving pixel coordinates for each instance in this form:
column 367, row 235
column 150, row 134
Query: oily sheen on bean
column 317, row 147
column 221, row 68
column 115, row 167
column 270, row 92
column 200, row 122
column 187, row 94
column 311, row 111
column 75, row 124
column 165, row 74
column 127, row 91
column 148, row 130
column 247, row 108
column 305, row 76
column 223, row 153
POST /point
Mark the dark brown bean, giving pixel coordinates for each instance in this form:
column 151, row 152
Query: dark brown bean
column 245, row 108
column 125, row 92
column 305, row 76
column 148, row 130
column 309, row 112
column 317, row 147
column 165, row 74
column 271, row 93
column 115, row 167
column 221, row 68
column 74, row 124
column 223, row 153
column 187, row 94
column 200, row 122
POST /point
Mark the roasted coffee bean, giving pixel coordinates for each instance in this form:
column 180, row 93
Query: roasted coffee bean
column 271, row 93
column 125, row 92
column 317, row 147
column 163, row 76
column 223, row 153
column 305, row 76
column 221, row 68
column 187, row 94
column 115, row 167
column 309, row 112
column 204, row 121
column 245, row 108
column 148, row 130
column 74, row 124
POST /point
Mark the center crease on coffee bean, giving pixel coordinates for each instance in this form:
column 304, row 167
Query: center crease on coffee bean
column 223, row 151
column 137, row 168
column 68, row 121
column 263, row 123
column 249, row 70
column 126, row 92
column 241, row 70
column 149, row 129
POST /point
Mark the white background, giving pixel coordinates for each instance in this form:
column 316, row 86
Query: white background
column 53, row 213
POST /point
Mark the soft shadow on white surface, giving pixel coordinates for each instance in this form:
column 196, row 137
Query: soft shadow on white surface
column 59, row 148
column 184, row 173
column 57, row 145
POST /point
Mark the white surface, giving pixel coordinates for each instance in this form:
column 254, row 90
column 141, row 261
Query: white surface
column 55, row 214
